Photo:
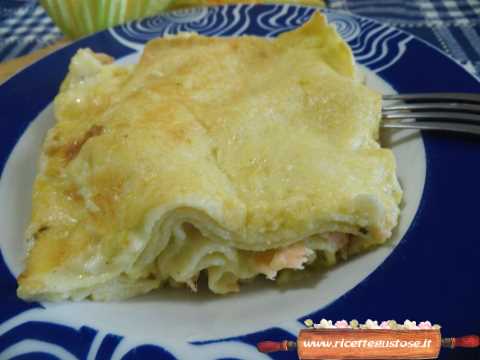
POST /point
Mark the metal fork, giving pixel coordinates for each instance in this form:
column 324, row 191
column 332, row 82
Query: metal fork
column 457, row 112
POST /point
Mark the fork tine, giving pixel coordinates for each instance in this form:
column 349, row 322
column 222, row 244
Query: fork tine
column 459, row 97
column 433, row 106
column 457, row 112
column 429, row 125
column 435, row 115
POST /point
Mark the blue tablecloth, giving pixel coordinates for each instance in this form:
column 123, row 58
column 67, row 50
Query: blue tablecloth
column 24, row 27
column 451, row 25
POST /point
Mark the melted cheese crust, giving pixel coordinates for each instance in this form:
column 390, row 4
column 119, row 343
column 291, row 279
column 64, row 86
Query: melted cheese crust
column 207, row 153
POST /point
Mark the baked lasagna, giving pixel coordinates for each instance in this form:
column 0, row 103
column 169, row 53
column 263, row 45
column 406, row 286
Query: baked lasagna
column 229, row 158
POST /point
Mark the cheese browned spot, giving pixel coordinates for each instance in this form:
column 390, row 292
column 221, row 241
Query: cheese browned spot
column 74, row 148
column 70, row 150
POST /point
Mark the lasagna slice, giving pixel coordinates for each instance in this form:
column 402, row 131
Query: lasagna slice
column 230, row 157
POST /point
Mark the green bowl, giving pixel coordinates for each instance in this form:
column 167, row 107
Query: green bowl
column 77, row 18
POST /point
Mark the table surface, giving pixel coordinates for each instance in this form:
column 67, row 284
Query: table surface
column 451, row 26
